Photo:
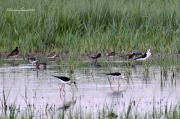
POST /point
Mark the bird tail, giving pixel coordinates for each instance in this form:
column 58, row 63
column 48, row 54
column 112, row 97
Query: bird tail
column 9, row 55
column 55, row 76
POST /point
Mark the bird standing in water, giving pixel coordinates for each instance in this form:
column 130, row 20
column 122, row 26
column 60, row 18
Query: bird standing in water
column 115, row 75
column 65, row 80
column 94, row 57
column 40, row 65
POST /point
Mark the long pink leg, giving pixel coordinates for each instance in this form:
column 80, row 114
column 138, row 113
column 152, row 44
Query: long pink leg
column 60, row 95
column 118, row 82
column 60, row 91
column 118, row 87
column 64, row 89
column 111, row 83
column 61, row 87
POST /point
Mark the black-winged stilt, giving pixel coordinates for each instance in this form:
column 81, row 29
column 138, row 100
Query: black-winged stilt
column 65, row 80
column 32, row 60
column 144, row 56
column 115, row 75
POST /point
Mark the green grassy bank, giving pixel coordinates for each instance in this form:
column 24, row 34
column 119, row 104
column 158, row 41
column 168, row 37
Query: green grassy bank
column 90, row 25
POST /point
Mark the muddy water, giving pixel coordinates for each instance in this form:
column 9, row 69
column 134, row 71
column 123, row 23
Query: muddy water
column 142, row 89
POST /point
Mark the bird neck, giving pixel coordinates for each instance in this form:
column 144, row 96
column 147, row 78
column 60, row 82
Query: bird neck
column 70, row 82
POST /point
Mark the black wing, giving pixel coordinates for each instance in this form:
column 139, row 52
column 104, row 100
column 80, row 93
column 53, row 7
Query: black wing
column 62, row 78
column 142, row 56
column 114, row 74
column 95, row 56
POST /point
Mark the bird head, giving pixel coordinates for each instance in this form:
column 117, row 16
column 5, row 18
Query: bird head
column 74, row 84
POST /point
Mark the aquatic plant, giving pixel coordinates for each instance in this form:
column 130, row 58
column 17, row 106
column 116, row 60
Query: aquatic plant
column 85, row 25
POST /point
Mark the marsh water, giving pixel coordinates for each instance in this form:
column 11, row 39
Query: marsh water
column 143, row 88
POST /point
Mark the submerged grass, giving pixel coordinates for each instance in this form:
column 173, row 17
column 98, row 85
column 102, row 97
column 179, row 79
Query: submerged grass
column 90, row 25
column 107, row 112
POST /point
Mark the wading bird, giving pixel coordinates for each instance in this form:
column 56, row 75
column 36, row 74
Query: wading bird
column 52, row 55
column 94, row 57
column 144, row 56
column 111, row 54
column 132, row 55
column 40, row 65
column 32, row 60
column 65, row 80
column 14, row 53
column 116, row 75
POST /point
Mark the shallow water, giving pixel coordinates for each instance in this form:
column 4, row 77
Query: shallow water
column 26, row 85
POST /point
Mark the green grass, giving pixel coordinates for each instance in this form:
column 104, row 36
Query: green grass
column 107, row 112
column 78, row 27
column 90, row 25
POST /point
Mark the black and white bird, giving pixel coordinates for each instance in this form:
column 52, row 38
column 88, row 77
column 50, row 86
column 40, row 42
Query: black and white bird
column 145, row 56
column 115, row 75
column 65, row 80
column 32, row 60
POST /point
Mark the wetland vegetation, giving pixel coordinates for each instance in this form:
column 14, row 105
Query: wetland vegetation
column 75, row 28
column 79, row 26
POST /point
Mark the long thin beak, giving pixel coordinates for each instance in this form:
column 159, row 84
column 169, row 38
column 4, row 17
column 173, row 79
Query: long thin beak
column 76, row 86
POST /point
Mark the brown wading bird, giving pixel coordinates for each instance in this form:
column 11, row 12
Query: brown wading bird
column 94, row 57
column 136, row 52
column 14, row 53
column 132, row 55
column 127, row 56
column 111, row 54
column 52, row 55
column 41, row 65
